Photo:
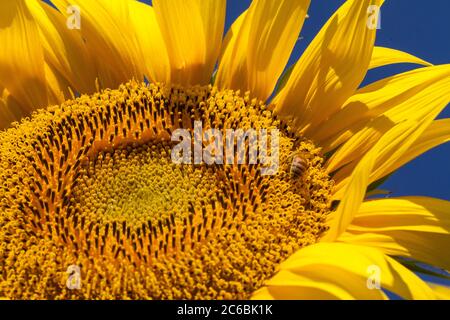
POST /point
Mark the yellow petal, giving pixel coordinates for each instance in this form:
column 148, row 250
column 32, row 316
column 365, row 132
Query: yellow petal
column 232, row 72
column 442, row 292
column 110, row 38
column 386, row 163
column 57, row 85
column 378, row 192
column 388, row 149
column 193, row 33
column 151, row 42
column 287, row 285
column 231, row 36
column 21, row 59
column 380, row 241
column 64, row 49
column 382, row 56
column 342, row 271
column 436, row 134
column 331, row 69
column 388, row 159
column 416, row 227
column 10, row 109
column 398, row 97
column 259, row 46
column 420, row 104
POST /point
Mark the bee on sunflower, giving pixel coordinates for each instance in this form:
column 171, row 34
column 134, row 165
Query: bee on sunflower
column 87, row 181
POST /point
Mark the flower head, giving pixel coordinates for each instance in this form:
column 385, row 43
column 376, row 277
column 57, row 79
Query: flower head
column 89, row 181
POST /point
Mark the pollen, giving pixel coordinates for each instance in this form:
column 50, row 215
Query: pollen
column 91, row 183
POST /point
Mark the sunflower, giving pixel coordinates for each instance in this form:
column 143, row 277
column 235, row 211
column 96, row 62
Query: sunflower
column 87, row 181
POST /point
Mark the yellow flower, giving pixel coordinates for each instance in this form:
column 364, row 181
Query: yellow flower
column 88, row 184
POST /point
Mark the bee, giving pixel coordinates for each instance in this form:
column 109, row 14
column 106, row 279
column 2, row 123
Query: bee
column 299, row 166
